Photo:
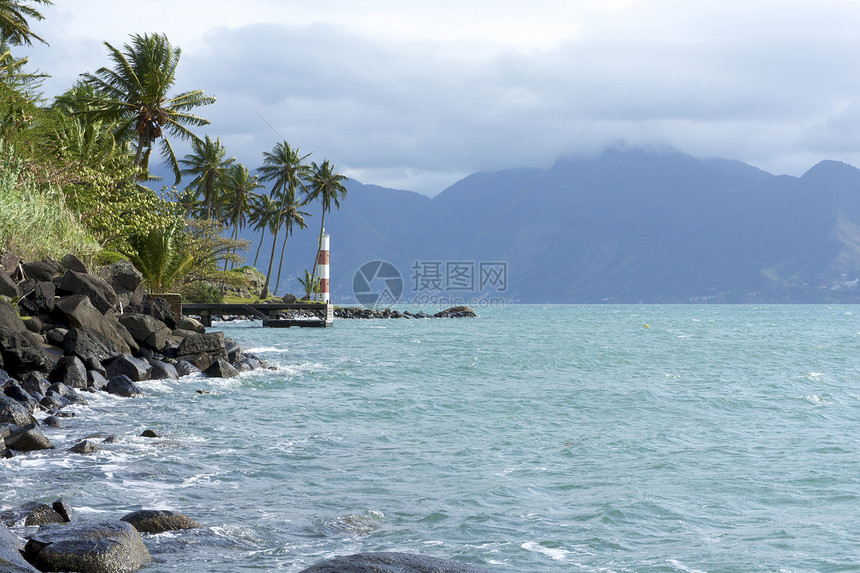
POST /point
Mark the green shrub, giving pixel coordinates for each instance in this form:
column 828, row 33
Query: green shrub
column 201, row 292
column 104, row 258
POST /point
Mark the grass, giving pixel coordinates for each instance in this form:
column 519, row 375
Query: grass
column 35, row 221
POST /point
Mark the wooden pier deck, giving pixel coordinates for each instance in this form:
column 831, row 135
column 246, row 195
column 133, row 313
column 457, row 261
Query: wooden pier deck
column 268, row 312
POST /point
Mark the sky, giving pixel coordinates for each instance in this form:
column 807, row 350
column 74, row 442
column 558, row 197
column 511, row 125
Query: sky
column 416, row 95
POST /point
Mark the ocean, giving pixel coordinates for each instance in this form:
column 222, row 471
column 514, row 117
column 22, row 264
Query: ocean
column 530, row 439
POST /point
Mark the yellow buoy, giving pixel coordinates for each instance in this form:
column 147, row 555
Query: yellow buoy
column 646, row 326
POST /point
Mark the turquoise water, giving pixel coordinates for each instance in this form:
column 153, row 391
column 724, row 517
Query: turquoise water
column 531, row 439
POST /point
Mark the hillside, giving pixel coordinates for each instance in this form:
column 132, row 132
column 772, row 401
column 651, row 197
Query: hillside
column 628, row 225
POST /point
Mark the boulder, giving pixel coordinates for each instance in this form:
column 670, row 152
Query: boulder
column 21, row 396
column 13, row 412
column 8, row 287
column 456, row 312
column 88, row 344
column 149, row 433
column 101, row 547
column 33, row 324
column 22, row 352
column 84, row 447
column 137, row 369
column 162, row 370
column 70, row 370
column 9, row 319
column 146, row 330
column 73, row 263
column 65, row 510
column 159, row 521
column 28, row 438
column 44, row 270
column 393, row 563
column 221, row 369
column 208, row 346
column 160, row 309
column 11, row 560
column 34, row 384
column 44, row 296
column 125, row 280
column 52, row 422
column 100, row 293
column 41, row 514
column 192, row 324
column 123, row 386
column 185, row 368
column 96, row 380
column 79, row 311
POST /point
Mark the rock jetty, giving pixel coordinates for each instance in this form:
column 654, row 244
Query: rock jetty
column 354, row 312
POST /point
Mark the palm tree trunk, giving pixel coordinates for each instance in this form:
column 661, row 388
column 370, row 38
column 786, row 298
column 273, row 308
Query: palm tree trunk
column 265, row 292
column 262, row 237
column 281, row 263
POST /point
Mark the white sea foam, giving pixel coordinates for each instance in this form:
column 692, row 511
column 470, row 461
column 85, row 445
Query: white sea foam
column 556, row 554
column 678, row 565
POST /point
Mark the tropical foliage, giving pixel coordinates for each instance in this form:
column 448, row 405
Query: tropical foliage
column 74, row 172
column 134, row 94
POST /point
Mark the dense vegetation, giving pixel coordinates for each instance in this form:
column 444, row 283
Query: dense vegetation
column 73, row 170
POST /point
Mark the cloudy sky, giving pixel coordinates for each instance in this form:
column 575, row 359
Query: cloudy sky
column 417, row 94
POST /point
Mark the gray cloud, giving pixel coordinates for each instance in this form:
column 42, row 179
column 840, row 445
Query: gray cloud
column 768, row 83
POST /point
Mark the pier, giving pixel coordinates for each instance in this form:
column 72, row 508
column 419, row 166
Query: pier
column 269, row 313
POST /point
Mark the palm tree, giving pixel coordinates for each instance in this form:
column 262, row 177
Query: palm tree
column 290, row 214
column 327, row 186
column 284, row 168
column 209, row 165
column 14, row 29
column 239, row 196
column 189, row 203
column 264, row 215
column 156, row 255
column 135, row 95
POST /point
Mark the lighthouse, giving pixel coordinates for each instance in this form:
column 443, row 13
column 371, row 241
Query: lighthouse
column 322, row 265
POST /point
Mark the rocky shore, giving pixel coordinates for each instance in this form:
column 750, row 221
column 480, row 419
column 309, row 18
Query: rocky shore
column 354, row 312
column 66, row 332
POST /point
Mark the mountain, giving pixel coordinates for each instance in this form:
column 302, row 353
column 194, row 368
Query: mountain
column 628, row 225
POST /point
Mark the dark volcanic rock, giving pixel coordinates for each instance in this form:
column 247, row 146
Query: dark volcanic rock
column 28, row 439
column 73, row 263
column 52, row 422
column 159, row 521
column 12, row 412
column 221, row 369
column 137, row 369
column 123, row 386
column 202, row 350
column 44, row 294
column 65, row 510
column 79, row 311
column 185, row 368
column 8, row 287
column 393, row 563
column 70, row 370
column 106, row 547
column 9, row 319
column 87, row 343
column 44, row 270
column 125, row 280
column 11, row 560
column 162, row 370
column 21, row 396
column 160, row 309
column 146, row 330
column 100, row 293
column 42, row 514
column 84, row 447
column 96, row 380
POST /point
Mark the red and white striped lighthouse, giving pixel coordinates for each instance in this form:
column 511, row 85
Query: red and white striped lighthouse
column 322, row 264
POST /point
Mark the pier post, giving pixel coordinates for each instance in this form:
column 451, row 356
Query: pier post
column 323, row 265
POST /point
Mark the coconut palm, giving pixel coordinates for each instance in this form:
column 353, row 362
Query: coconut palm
column 327, row 187
column 14, row 28
column 209, row 165
column 135, row 95
column 238, row 198
column 264, row 215
column 284, row 168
